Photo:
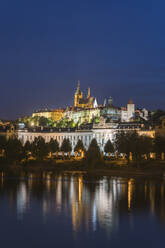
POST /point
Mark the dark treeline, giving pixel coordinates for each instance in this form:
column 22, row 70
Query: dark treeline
column 127, row 145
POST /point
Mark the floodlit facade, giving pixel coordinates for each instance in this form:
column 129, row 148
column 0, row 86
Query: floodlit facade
column 56, row 114
column 86, row 110
column 84, row 102
column 102, row 132
column 88, row 120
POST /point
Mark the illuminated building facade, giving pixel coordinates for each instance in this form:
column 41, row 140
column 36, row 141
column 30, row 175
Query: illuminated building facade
column 80, row 116
column 56, row 114
column 110, row 112
column 82, row 102
column 128, row 114
column 42, row 113
column 86, row 110
column 102, row 132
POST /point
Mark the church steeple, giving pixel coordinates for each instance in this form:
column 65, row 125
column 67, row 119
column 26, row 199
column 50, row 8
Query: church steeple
column 78, row 87
column 89, row 93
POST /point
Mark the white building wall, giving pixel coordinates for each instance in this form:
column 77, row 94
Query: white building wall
column 101, row 135
column 130, row 110
column 124, row 116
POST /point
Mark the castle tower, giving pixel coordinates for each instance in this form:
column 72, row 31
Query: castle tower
column 78, row 95
column 130, row 109
column 78, row 87
column 89, row 93
column 110, row 101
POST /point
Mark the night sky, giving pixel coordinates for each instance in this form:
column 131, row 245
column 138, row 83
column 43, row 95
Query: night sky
column 117, row 47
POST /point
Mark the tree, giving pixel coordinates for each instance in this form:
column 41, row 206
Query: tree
column 93, row 155
column 27, row 149
column 39, row 148
column 53, row 146
column 13, row 150
column 66, row 146
column 126, row 142
column 3, row 142
column 145, row 146
column 79, row 147
column 43, row 121
column 109, row 148
column 159, row 145
column 62, row 123
column 158, row 114
column 132, row 142
column 71, row 124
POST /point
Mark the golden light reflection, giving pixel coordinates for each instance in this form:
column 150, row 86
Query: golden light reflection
column 152, row 198
column 130, row 192
column 87, row 203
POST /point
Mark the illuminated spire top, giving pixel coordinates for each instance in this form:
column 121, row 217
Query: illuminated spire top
column 110, row 101
column 89, row 93
column 78, row 84
column 78, row 87
column 130, row 101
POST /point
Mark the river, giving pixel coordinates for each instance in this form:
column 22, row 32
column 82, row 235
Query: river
column 80, row 211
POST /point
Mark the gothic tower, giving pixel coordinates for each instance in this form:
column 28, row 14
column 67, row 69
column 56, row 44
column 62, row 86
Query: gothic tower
column 89, row 93
column 78, row 95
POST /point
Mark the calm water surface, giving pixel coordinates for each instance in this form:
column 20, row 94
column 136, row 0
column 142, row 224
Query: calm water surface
column 78, row 211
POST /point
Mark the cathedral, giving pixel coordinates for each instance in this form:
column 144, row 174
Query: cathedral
column 84, row 102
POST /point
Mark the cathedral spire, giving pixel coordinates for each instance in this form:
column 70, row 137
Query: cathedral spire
column 89, row 93
column 78, row 86
column 130, row 101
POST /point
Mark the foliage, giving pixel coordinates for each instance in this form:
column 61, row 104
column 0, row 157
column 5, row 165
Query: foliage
column 72, row 124
column 53, row 146
column 159, row 145
column 131, row 142
column 3, row 142
column 27, row 149
column 109, row 148
column 14, row 150
column 79, row 146
column 158, row 114
column 93, row 154
column 123, row 143
column 39, row 148
column 38, row 121
column 96, row 120
column 43, row 121
column 66, row 146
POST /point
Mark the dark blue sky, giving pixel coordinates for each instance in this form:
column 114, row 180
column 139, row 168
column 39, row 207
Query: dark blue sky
column 117, row 47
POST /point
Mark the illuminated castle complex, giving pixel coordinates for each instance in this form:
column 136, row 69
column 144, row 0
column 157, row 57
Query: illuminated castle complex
column 85, row 121
column 81, row 102
column 86, row 110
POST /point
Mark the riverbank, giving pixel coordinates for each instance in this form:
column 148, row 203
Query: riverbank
column 106, row 168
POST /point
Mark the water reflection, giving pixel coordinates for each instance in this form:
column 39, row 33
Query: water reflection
column 89, row 203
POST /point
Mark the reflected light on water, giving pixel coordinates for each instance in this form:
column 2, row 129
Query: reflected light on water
column 22, row 199
column 88, row 203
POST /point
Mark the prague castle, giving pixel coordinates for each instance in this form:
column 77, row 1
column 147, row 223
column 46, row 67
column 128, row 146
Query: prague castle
column 86, row 120
column 86, row 110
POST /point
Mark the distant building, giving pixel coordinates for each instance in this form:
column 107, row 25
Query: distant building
column 7, row 129
column 128, row 114
column 56, row 114
column 42, row 113
column 81, row 102
column 109, row 111
column 142, row 113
